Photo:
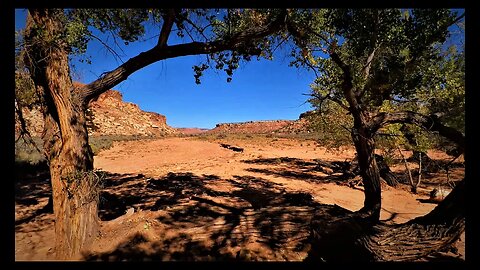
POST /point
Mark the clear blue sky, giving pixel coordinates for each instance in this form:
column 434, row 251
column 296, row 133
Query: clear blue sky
column 260, row 90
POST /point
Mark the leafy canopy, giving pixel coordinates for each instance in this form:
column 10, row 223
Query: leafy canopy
column 396, row 58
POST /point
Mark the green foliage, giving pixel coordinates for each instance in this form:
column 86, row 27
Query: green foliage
column 25, row 93
column 408, row 137
column 124, row 23
column 447, row 98
column 401, row 49
column 27, row 153
column 230, row 22
column 76, row 36
column 331, row 125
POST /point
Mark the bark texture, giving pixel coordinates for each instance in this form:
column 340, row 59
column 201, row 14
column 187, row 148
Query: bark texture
column 422, row 236
column 352, row 237
column 65, row 135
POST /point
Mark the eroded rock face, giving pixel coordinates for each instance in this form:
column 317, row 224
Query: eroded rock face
column 251, row 126
column 111, row 116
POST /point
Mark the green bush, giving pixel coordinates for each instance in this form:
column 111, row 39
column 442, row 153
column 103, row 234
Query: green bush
column 100, row 143
column 27, row 153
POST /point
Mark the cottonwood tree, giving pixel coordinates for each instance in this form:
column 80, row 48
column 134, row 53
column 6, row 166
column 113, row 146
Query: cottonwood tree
column 365, row 59
column 226, row 36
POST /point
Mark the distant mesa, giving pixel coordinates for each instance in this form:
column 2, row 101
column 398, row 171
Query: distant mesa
column 264, row 127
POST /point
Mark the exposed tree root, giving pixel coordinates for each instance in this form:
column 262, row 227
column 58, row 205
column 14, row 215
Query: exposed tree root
column 353, row 237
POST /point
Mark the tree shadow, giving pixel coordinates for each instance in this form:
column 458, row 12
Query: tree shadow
column 136, row 248
column 252, row 220
column 305, row 170
column 32, row 184
column 340, row 172
column 31, row 181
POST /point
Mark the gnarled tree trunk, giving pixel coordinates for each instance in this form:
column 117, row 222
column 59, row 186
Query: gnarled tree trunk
column 65, row 135
column 364, row 142
column 365, row 146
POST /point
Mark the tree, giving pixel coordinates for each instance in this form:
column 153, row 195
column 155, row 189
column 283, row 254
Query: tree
column 52, row 35
column 365, row 59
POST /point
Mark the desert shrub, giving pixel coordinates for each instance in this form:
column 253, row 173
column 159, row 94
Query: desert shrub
column 27, row 153
column 221, row 136
column 105, row 142
column 100, row 143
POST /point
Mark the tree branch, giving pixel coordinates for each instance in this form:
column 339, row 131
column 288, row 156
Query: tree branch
column 121, row 73
column 347, row 85
column 200, row 31
column 430, row 122
column 366, row 73
column 329, row 97
column 312, row 67
column 112, row 51
column 458, row 19
column 293, row 28
column 168, row 19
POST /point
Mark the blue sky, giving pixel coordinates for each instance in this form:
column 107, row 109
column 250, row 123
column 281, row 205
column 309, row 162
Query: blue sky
column 260, row 90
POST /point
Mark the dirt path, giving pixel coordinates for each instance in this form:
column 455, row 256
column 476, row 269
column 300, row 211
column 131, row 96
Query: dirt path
column 195, row 200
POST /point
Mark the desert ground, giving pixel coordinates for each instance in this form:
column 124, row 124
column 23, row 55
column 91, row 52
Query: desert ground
column 189, row 198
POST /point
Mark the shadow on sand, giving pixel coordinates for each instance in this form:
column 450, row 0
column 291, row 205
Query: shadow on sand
column 255, row 219
column 247, row 219
column 32, row 184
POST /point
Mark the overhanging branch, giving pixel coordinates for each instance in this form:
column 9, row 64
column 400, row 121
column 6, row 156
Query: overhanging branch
column 121, row 73
column 430, row 122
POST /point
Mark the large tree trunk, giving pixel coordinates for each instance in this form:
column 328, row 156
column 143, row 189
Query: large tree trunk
column 65, row 137
column 365, row 147
column 75, row 187
column 364, row 142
